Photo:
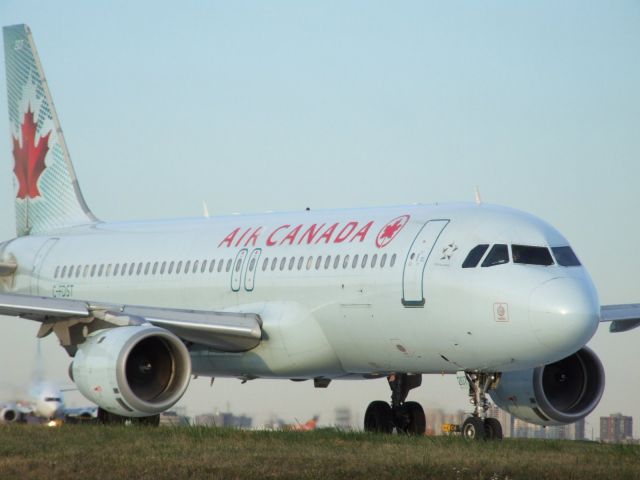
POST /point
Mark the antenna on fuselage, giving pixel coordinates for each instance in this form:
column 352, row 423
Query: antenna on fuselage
column 477, row 194
column 205, row 209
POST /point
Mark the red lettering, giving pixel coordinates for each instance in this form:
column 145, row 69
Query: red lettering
column 242, row 236
column 345, row 232
column 362, row 233
column 327, row 234
column 291, row 236
column 254, row 237
column 229, row 238
column 270, row 241
column 311, row 233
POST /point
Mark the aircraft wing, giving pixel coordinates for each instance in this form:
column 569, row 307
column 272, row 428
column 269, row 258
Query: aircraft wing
column 622, row 317
column 71, row 320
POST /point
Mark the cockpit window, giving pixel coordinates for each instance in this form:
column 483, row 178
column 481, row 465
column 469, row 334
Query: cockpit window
column 531, row 255
column 565, row 256
column 474, row 256
column 52, row 399
column 498, row 255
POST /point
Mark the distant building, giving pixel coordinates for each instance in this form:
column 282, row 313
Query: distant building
column 343, row 418
column 224, row 420
column 616, row 428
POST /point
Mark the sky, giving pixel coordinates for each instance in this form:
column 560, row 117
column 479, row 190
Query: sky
column 254, row 106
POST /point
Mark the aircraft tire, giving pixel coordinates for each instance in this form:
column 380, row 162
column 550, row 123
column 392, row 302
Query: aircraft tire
column 416, row 421
column 492, row 429
column 473, row 429
column 378, row 418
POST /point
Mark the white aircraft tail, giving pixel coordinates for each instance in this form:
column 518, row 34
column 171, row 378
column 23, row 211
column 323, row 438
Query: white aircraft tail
column 47, row 193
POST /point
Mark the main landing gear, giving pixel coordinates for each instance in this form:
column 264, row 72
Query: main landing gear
column 405, row 417
column 108, row 418
column 478, row 426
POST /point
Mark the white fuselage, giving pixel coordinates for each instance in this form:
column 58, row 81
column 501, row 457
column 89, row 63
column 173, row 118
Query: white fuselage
column 341, row 292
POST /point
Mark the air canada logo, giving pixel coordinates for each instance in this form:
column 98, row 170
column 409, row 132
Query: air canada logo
column 29, row 157
column 390, row 230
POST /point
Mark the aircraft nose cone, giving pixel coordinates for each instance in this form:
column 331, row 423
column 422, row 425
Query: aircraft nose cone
column 564, row 314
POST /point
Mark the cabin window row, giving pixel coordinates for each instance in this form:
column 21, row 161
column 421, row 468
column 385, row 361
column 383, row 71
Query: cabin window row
column 336, row 262
column 195, row 266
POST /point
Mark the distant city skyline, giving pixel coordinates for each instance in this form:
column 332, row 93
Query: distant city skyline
column 257, row 106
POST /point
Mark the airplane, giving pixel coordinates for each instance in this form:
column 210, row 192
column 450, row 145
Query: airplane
column 307, row 426
column 488, row 292
column 44, row 403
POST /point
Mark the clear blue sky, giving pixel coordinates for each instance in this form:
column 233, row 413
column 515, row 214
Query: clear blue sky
column 282, row 105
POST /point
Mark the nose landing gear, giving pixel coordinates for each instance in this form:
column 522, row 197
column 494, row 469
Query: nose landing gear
column 406, row 417
column 478, row 426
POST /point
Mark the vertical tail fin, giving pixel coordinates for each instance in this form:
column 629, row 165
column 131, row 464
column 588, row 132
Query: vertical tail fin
column 48, row 196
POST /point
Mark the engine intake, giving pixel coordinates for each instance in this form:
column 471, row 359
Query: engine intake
column 132, row 371
column 556, row 394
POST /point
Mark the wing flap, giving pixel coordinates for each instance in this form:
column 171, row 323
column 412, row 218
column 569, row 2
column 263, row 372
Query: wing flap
column 622, row 317
column 71, row 320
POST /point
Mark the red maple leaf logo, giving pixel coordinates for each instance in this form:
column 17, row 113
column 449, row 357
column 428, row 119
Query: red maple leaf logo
column 390, row 230
column 29, row 158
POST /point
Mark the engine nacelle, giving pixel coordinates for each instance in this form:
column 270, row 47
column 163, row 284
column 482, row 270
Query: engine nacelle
column 556, row 394
column 10, row 414
column 134, row 371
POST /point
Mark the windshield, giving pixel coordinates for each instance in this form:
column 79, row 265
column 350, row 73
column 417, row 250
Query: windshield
column 565, row 256
column 531, row 255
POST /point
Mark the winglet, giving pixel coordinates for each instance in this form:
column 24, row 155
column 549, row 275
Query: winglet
column 477, row 195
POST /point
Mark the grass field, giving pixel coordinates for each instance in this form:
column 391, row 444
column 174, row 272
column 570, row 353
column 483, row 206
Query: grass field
column 94, row 452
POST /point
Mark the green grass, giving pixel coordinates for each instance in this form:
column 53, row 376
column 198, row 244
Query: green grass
column 94, row 452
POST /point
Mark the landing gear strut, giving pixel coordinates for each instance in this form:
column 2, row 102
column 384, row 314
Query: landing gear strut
column 405, row 417
column 478, row 426
column 108, row 418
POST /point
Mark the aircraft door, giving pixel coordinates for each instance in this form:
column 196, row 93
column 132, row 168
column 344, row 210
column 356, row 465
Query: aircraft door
column 38, row 261
column 250, row 275
column 416, row 262
column 236, row 272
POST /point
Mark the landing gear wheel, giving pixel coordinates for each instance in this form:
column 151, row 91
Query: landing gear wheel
column 378, row 418
column 473, row 429
column 492, row 429
column 152, row 421
column 108, row 418
column 411, row 419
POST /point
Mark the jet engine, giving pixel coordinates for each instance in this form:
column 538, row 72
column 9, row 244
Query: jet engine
column 9, row 414
column 134, row 371
column 556, row 394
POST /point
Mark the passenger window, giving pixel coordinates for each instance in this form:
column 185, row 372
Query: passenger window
column 186, row 266
column 139, row 269
column 309, row 263
column 179, row 267
column 264, row 264
column 374, row 259
column 345, row 264
column 220, row 265
column 565, row 256
column 64, row 271
column 55, row 274
column 228, row 265
column 336, row 262
column 364, row 261
column 132, row 267
column 155, row 268
column 195, row 267
column 531, row 255
column 171, row 267
column 498, row 255
column 327, row 262
column 116, row 270
column 300, row 263
column 122, row 272
column 475, row 255
column 318, row 262
column 78, row 268
column 93, row 270
column 238, row 265
column 100, row 270
column 212, row 265
column 292, row 262
column 393, row 260
column 108, row 272
column 163, row 267
column 252, row 264
column 274, row 262
column 355, row 261
column 204, row 266
column 283, row 262
column 147, row 267
column 383, row 260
